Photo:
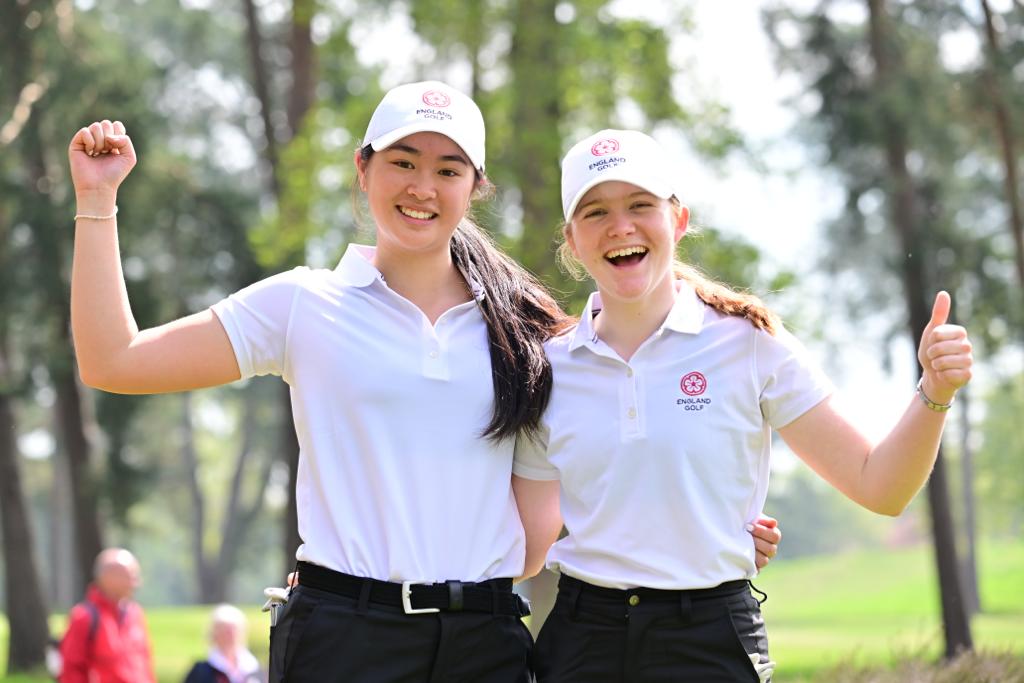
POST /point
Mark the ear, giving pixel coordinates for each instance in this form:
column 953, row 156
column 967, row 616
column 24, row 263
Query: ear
column 567, row 233
column 357, row 159
column 682, row 221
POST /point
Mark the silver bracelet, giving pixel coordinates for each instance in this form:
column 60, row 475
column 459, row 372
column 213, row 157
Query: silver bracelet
column 930, row 404
column 96, row 218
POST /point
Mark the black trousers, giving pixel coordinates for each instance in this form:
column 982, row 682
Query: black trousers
column 602, row 635
column 323, row 637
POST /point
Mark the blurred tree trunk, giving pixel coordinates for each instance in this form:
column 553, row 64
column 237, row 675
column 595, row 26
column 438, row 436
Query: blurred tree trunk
column 239, row 516
column 994, row 76
column 201, row 564
column 970, row 560
column 537, row 144
column 24, row 605
column 300, row 99
column 26, row 611
column 905, row 217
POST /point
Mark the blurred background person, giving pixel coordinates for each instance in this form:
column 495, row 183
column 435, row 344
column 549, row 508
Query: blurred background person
column 229, row 659
column 107, row 640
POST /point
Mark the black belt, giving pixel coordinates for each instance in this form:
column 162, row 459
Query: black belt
column 494, row 595
column 722, row 590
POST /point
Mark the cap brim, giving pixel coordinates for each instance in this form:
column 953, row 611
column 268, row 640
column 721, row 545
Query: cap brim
column 654, row 185
column 387, row 139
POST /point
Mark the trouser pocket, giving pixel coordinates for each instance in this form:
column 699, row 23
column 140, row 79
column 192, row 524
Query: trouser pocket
column 745, row 614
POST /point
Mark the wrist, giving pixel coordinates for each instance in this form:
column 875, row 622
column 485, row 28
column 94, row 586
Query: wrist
column 933, row 398
column 96, row 202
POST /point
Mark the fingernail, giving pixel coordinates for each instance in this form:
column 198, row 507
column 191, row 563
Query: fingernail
column 749, row 527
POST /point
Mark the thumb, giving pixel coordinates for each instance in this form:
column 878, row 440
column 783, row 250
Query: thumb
column 940, row 310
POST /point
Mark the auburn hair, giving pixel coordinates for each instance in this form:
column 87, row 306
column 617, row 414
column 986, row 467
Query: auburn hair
column 716, row 294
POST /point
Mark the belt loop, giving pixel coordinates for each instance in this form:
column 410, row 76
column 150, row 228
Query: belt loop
column 455, row 597
column 685, row 607
column 494, row 597
column 364, row 596
column 574, row 589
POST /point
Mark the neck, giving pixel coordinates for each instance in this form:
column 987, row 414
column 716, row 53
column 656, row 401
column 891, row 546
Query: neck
column 625, row 325
column 429, row 280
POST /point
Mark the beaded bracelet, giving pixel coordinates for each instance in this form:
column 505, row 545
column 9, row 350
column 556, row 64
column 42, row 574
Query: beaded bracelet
column 96, row 218
column 932, row 405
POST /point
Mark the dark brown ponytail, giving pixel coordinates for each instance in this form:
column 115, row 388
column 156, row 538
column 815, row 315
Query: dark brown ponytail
column 520, row 315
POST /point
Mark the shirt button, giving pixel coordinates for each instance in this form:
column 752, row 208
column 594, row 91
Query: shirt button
column 634, row 600
column 631, row 413
column 433, row 354
column 629, row 372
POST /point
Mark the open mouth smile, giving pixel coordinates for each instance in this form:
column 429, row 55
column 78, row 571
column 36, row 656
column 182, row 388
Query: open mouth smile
column 626, row 256
column 418, row 215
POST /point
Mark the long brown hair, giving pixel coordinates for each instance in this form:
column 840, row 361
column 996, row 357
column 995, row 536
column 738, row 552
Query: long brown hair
column 520, row 315
column 716, row 294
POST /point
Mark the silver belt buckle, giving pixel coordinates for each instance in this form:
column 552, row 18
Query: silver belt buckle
column 407, row 599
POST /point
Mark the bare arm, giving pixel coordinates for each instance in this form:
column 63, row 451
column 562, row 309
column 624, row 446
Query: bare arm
column 112, row 353
column 885, row 477
column 542, row 519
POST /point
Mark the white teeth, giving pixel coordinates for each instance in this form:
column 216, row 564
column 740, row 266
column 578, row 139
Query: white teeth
column 625, row 251
column 412, row 213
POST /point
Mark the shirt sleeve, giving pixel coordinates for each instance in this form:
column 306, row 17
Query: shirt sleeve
column 531, row 457
column 791, row 382
column 74, row 647
column 257, row 319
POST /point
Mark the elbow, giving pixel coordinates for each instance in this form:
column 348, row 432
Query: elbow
column 889, row 508
column 97, row 378
column 89, row 377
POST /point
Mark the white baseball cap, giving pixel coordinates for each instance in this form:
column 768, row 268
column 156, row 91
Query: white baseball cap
column 625, row 155
column 428, row 106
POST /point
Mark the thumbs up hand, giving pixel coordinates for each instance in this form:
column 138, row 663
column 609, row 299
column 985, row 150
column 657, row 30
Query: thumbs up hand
column 944, row 354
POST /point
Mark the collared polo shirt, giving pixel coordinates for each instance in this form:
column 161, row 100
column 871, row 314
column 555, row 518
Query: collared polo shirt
column 394, row 481
column 663, row 460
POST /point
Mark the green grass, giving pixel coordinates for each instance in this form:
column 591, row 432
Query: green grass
column 826, row 616
column 870, row 609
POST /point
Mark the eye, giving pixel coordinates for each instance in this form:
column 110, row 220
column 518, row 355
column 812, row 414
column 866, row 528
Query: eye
column 449, row 173
column 594, row 213
column 402, row 163
column 642, row 204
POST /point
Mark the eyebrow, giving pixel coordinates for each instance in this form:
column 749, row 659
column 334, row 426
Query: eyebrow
column 444, row 157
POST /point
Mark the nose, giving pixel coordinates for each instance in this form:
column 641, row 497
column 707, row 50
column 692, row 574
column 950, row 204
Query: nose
column 621, row 224
column 422, row 186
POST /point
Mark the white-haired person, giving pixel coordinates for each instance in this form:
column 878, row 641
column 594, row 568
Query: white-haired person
column 413, row 366
column 657, row 437
column 229, row 659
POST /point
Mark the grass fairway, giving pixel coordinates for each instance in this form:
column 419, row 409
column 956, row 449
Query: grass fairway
column 855, row 610
column 862, row 609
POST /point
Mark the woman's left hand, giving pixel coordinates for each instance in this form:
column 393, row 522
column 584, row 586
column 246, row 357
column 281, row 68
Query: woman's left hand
column 944, row 354
column 767, row 536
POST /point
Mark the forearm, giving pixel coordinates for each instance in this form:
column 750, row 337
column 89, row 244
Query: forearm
column 899, row 465
column 101, row 318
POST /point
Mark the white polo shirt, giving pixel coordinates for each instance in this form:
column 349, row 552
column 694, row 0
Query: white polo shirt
column 394, row 481
column 664, row 459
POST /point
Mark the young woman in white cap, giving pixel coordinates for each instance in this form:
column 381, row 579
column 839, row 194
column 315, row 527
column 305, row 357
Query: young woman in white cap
column 658, row 433
column 412, row 367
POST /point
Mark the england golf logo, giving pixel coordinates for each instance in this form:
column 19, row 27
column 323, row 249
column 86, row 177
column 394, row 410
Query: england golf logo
column 436, row 98
column 693, row 384
column 606, row 146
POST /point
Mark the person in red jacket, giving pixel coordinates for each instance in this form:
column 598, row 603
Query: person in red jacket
column 107, row 640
